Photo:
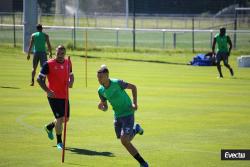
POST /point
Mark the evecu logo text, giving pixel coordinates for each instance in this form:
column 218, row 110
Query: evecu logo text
column 238, row 155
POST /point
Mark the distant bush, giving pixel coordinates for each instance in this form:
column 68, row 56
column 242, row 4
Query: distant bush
column 70, row 46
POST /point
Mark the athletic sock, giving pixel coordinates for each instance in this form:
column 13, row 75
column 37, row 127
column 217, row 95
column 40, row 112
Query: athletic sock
column 139, row 158
column 50, row 126
column 231, row 72
column 59, row 138
column 134, row 132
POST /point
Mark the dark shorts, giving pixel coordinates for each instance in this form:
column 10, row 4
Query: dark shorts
column 58, row 107
column 124, row 125
column 39, row 57
column 222, row 56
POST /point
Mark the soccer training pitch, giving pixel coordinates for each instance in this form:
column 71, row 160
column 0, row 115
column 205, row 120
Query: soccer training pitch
column 187, row 113
column 101, row 38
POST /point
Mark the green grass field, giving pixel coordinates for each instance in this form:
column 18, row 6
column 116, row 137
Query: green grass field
column 124, row 39
column 187, row 113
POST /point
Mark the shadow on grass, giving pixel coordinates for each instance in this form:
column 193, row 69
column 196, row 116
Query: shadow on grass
column 9, row 87
column 89, row 152
column 137, row 60
column 240, row 78
column 149, row 61
column 74, row 164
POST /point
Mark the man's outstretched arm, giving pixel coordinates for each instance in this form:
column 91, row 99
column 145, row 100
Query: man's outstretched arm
column 134, row 94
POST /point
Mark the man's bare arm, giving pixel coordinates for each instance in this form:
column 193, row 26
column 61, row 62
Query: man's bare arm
column 134, row 94
column 41, row 82
column 30, row 46
column 49, row 46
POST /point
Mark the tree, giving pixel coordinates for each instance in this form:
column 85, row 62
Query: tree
column 111, row 5
column 47, row 6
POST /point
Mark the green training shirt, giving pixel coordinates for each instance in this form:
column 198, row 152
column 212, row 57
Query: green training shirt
column 221, row 43
column 117, row 97
column 39, row 42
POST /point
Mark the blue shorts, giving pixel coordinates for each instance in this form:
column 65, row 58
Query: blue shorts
column 222, row 56
column 58, row 107
column 124, row 126
column 39, row 57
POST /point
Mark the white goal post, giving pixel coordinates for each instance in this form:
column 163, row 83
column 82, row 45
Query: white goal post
column 236, row 21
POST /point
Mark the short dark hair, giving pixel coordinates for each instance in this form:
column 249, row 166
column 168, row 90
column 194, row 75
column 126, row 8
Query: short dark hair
column 39, row 27
column 61, row 47
column 222, row 29
column 103, row 70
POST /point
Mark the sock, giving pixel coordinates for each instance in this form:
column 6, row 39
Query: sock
column 134, row 132
column 50, row 126
column 139, row 158
column 59, row 138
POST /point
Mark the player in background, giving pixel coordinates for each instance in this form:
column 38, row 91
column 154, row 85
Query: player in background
column 223, row 52
column 37, row 41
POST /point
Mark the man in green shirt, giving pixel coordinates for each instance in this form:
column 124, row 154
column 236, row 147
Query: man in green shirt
column 37, row 42
column 223, row 52
column 112, row 90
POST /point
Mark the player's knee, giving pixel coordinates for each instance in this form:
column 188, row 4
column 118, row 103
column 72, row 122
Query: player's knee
column 59, row 120
column 125, row 140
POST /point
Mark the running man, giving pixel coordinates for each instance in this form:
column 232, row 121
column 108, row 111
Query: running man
column 58, row 75
column 113, row 90
column 223, row 52
column 37, row 41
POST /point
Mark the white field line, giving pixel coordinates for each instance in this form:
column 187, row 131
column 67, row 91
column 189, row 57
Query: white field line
column 20, row 121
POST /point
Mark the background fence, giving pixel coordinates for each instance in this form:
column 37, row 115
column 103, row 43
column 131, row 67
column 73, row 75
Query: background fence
column 144, row 21
column 112, row 30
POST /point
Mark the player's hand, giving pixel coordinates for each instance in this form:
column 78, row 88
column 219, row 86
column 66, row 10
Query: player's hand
column 228, row 54
column 102, row 106
column 70, row 84
column 28, row 56
column 134, row 106
column 51, row 94
column 214, row 56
